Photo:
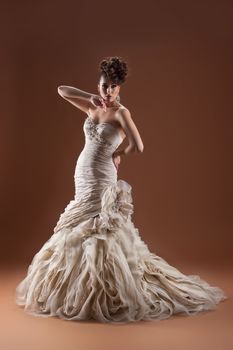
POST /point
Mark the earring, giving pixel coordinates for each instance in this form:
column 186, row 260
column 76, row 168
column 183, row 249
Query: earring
column 118, row 98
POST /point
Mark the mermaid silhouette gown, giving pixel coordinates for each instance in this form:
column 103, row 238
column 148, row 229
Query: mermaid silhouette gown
column 95, row 265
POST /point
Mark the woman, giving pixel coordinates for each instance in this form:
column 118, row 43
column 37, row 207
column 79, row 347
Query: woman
column 95, row 265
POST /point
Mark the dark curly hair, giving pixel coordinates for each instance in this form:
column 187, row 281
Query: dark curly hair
column 115, row 68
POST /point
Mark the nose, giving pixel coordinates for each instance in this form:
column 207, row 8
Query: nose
column 108, row 90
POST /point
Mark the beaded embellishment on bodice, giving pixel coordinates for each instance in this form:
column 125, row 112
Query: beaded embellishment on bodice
column 93, row 132
column 104, row 132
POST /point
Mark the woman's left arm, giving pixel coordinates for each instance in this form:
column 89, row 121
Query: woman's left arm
column 132, row 134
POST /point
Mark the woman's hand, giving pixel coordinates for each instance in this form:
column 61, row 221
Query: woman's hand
column 116, row 160
column 97, row 100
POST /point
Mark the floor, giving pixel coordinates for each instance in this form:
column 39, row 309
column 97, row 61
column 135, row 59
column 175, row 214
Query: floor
column 207, row 330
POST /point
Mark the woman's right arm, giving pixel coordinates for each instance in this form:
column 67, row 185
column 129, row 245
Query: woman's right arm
column 79, row 98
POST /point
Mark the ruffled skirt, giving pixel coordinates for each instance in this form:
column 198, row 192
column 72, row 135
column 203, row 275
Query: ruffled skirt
column 101, row 269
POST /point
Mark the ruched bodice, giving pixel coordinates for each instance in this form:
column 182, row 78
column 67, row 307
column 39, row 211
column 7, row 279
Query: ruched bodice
column 95, row 167
column 94, row 172
column 104, row 133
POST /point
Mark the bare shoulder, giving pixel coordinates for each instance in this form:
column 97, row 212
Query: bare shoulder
column 123, row 111
column 129, row 128
column 92, row 108
column 124, row 114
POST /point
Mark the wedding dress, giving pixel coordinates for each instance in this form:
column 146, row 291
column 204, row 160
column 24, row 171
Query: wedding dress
column 95, row 265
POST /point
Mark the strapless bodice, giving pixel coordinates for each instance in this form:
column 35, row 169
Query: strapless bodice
column 103, row 134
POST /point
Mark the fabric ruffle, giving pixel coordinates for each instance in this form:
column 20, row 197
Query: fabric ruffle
column 101, row 269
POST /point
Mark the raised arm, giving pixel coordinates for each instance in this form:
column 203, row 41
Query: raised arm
column 79, row 98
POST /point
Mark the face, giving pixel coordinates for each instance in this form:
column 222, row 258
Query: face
column 107, row 89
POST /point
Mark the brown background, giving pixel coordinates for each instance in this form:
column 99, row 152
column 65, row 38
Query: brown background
column 179, row 93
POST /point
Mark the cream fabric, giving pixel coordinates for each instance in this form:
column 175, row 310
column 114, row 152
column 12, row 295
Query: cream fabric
column 95, row 264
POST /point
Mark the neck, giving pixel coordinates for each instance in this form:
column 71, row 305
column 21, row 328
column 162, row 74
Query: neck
column 112, row 104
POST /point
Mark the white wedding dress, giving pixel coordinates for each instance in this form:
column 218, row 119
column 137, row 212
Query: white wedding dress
column 95, row 265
